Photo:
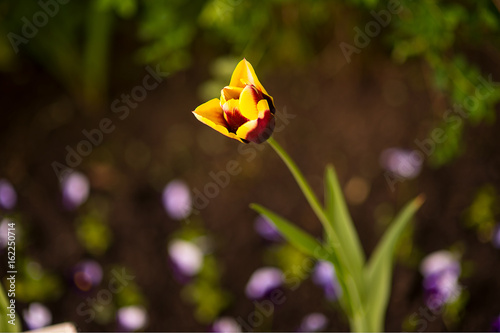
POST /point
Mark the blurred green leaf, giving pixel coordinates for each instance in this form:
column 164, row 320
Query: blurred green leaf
column 338, row 214
column 297, row 237
column 94, row 234
column 378, row 272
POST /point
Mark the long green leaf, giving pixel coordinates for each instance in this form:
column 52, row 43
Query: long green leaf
column 378, row 272
column 296, row 236
column 338, row 214
column 4, row 325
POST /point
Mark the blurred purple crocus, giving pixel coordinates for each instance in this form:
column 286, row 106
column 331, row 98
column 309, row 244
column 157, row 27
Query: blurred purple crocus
column 75, row 189
column 263, row 281
column 132, row 318
column 401, row 162
column 177, row 200
column 87, row 274
column 441, row 271
column 37, row 316
column 495, row 325
column 325, row 277
column 313, row 322
column 186, row 257
column 267, row 229
column 226, row 325
column 496, row 236
column 8, row 196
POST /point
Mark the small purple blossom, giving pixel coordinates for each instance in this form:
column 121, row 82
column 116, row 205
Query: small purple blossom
column 496, row 236
column 263, row 281
column 495, row 325
column 441, row 271
column 87, row 274
column 132, row 318
column 401, row 162
column 37, row 316
column 75, row 189
column 8, row 196
column 313, row 322
column 186, row 257
column 325, row 277
column 267, row 229
column 226, row 325
column 177, row 200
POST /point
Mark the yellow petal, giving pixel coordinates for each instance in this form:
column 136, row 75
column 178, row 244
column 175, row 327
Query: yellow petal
column 263, row 106
column 258, row 130
column 244, row 74
column 229, row 93
column 249, row 98
column 211, row 114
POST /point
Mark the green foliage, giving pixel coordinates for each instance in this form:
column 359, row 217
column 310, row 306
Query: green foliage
column 441, row 33
column 336, row 209
column 365, row 287
column 482, row 214
column 93, row 233
column 297, row 237
column 378, row 272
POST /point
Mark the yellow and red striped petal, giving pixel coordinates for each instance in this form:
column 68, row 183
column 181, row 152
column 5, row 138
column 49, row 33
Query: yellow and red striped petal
column 258, row 130
column 211, row 114
column 244, row 74
column 233, row 116
column 249, row 99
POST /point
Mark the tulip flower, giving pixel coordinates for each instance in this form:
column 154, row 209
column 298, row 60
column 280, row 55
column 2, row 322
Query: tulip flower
column 244, row 112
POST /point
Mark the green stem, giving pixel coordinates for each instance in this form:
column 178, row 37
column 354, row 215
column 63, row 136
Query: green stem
column 304, row 186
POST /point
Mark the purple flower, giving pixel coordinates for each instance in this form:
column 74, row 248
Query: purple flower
column 403, row 163
column 313, row 322
column 177, row 200
column 325, row 277
column 441, row 271
column 132, row 318
column 226, row 325
column 75, row 189
column 8, row 196
column 438, row 262
column 263, row 281
column 37, row 316
column 496, row 236
column 495, row 325
column 186, row 257
column 87, row 274
column 267, row 229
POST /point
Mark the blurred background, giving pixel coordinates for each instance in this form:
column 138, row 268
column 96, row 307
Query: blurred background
column 126, row 218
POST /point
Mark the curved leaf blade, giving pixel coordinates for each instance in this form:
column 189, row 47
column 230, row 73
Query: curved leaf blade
column 378, row 272
column 293, row 234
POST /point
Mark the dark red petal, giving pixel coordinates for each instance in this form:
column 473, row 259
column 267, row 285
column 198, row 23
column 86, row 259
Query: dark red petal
column 234, row 119
column 263, row 130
